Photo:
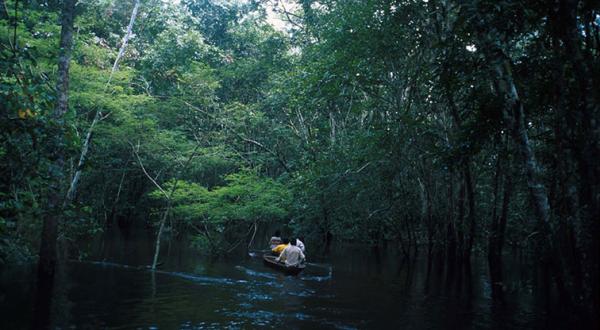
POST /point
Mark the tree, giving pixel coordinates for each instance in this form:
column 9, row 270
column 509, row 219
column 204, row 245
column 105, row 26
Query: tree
column 48, row 252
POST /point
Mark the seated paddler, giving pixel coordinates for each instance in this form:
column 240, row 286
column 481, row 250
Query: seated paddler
column 292, row 255
column 275, row 240
column 279, row 248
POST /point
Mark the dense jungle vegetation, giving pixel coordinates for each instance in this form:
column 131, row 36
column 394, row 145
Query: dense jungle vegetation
column 440, row 127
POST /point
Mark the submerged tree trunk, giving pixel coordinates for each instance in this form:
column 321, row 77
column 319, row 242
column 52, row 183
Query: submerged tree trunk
column 161, row 228
column 567, row 18
column 460, row 216
column 514, row 118
column 451, row 241
column 472, row 223
column 168, row 196
column 47, row 261
column 465, row 164
column 48, row 245
column 498, row 227
column 426, row 218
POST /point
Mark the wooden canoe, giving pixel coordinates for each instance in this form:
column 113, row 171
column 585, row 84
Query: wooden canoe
column 269, row 260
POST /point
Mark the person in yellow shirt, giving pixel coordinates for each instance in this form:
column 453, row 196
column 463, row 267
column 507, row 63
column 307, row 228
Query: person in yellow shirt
column 279, row 248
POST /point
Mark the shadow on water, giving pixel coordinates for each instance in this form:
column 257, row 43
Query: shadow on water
column 354, row 287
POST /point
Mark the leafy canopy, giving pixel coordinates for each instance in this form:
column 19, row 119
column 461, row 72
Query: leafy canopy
column 245, row 197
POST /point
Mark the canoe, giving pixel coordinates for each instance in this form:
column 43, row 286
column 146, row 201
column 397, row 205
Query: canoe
column 269, row 260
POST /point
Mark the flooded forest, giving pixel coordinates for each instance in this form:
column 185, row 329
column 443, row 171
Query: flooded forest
column 301, row 164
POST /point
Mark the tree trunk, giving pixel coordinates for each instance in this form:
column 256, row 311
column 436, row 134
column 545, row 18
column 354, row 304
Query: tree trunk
column 168, row 196
column 460, row 216
column 565, row 185
column 161, row 228
column 567, row 17
column 451, row 241
column 3, row 10
column 465, row 163
column 514, row 118
column 48, row 245
column 498, row 228
column 47, row 259
column 472, row 224
column 98, row 116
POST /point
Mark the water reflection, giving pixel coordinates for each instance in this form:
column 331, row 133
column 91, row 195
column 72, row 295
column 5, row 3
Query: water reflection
column 351, row 289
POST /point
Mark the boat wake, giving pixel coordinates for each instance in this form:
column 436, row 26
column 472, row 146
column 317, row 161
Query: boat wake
column 256, row 274
column 202, row 279
column 316, row 278
column 321, row 278
column 191, row 277
column 208, row 280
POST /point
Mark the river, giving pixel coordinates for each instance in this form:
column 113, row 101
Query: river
column 353, row 287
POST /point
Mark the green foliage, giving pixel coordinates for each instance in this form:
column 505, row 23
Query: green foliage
column 245, row 197
column 26, row 104
column 219, row 215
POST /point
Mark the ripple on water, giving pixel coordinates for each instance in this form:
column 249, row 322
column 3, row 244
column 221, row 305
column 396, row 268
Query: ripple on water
column 255, row 318
column 302, row 293
column 254, row 296
column 200, row 279
column 208, row 326
column 316, row 278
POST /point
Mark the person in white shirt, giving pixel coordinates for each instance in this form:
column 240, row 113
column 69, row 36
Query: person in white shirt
column 300, row 245
column 292, row 255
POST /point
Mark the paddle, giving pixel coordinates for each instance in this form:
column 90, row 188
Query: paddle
column 255, row 253
column 259, row 251
column 318, row 265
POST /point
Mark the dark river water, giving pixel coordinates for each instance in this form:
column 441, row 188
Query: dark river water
column 352, row 288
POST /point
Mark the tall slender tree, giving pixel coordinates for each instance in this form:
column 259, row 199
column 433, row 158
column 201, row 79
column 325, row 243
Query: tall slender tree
column 48, row 255
column 48, row 246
